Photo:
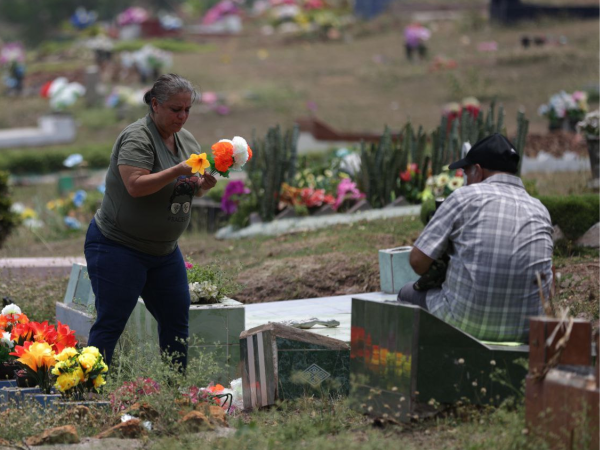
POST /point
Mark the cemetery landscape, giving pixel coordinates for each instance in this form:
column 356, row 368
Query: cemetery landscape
column 305, row 219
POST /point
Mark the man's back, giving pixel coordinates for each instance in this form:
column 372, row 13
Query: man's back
column 498, row 238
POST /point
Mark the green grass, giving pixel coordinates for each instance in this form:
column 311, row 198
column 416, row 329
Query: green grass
column 171, row 45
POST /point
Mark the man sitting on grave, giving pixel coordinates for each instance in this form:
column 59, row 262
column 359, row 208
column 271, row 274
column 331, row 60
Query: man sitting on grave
column 496, row 239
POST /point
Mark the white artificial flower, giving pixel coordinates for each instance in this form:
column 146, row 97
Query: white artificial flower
column 11, row 309
column 6, row 340
column 240, row 153
column 455, row 183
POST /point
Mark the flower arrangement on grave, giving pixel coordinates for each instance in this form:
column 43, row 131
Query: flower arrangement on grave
column 227, row 155
column 443, row 184
column 303, row 199
column 131, row 392
column 590, row 125
column 79, row 371
column 77, row 208
column 409, row 183
column 454, row 110
column 10, row 317
column 347, row 190
column 209, row 284
column 230, row 399
column 57, row 337
column 564, row 106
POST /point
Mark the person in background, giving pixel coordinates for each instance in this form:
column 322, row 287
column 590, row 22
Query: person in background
column 415, row 38
column 498, row 239
column 131, row 244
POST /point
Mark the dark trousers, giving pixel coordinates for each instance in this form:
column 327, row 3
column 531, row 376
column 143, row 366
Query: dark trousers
column 119, row 275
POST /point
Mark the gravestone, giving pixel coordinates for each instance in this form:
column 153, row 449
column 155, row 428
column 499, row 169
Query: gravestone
column 405, row 363
column 217, row 326
column 395, row 270
column 281, row 363
column 561, row 391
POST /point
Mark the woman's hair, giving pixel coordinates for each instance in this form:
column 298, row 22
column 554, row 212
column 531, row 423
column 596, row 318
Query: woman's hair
column 166, row 86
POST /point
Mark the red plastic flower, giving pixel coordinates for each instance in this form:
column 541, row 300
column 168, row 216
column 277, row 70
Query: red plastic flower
column 65, row 337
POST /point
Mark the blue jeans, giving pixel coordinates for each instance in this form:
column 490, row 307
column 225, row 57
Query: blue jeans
column 119, row 275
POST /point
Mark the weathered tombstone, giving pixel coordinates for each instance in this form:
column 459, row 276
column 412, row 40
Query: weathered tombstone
column 561, row 390
column 405, row 362
column 281, row 363
column 394, row 269
column 78, row 304
column 217, row 326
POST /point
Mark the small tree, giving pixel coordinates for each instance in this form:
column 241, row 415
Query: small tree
column 8, row 220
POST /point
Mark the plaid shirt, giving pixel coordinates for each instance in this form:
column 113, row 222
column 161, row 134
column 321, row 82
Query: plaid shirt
column 497, row 237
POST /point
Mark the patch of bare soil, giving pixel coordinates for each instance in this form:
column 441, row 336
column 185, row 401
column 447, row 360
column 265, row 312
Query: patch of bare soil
column 556, row 143
column 578, row 288
column 309, row 277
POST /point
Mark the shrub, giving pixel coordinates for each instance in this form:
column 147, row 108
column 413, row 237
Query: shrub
column 27, row 161
column 574, row 214
column 8, row 220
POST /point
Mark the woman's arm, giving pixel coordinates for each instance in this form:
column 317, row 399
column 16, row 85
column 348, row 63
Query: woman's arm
column 140, row 182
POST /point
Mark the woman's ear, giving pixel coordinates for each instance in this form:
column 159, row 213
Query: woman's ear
column 154, row 104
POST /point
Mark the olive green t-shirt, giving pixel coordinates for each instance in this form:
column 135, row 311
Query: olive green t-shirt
column 152, row 223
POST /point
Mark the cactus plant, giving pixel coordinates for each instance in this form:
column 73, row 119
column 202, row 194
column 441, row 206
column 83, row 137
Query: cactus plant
column 446, row 144
column 8, row 220
column 273, row 164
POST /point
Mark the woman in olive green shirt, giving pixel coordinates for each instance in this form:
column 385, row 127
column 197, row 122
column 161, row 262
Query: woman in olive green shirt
column 131, row 245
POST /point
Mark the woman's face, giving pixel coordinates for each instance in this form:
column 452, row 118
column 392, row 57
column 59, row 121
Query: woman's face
column 171, row 115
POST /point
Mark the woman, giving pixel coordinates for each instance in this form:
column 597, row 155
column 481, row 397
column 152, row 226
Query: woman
column 131, row 244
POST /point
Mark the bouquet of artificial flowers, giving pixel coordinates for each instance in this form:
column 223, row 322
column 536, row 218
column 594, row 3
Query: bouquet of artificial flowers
column 79, row 371
column 227, row 156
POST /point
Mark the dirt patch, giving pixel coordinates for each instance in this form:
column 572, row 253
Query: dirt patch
column 578, row 289
column 309, row 277
column 556, row 143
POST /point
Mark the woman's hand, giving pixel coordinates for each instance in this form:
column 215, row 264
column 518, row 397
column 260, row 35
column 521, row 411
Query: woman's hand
column 184, row 169
column 207, row 182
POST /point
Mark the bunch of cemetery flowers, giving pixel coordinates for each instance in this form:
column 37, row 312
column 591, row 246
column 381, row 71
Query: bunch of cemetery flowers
column 131, row 392
column 10, row 316
column 304, row 199
column 590, row 125
column 234, row 192
column 347, row 191
column 443, row 184
column 565, row 106
column 77, row 208
column 79, row 371
column 57, row 337
column 209, row 283
column 410, row 181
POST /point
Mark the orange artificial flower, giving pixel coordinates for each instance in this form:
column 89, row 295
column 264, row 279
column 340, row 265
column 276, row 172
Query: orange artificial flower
column 35, row 355
column 3, row 322
column 22, row 332
column 198, row 163
column 223, row 154
column 249, row 153
column 217, row 388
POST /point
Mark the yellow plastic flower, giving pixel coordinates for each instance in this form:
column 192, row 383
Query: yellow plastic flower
column 91, row 350
column 67, row 353
column 28, row 213
column 51, row 205
column 198, row 163
column 66, row 381
column 98, row 381
column 104, row 368
column 87, row 361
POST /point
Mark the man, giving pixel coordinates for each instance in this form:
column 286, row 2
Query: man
column 497, row 238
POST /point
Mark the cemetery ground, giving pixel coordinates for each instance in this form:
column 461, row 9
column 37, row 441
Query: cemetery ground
column 339, row 260
column 359, row 87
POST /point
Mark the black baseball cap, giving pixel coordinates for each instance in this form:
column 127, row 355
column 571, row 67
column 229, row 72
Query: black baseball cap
column 494, row 152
